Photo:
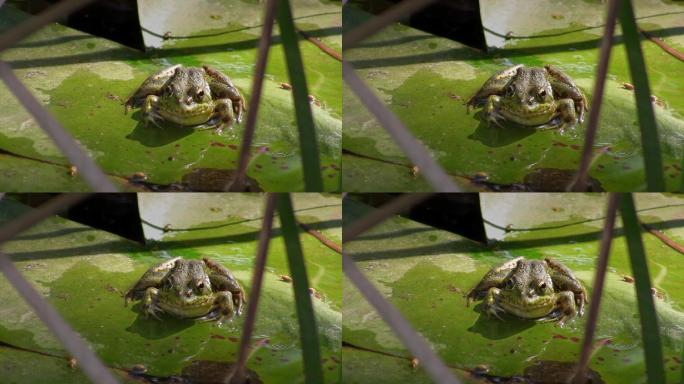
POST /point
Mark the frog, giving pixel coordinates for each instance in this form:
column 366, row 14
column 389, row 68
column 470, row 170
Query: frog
column 199, row 289
column 188, row 96
column 541, row 97
column 542, row 290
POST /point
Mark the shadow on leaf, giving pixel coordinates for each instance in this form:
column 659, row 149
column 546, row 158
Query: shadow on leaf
column 496, row 329
column 153, row 136
column 494, row 136
column 151, row 328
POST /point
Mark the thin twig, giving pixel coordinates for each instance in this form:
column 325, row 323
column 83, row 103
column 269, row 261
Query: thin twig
column 254, row 294
column 34, row 216
column 661, row 44
column 327, row 242
column 599, row 279
column 669, row 242
column 92, row 174
column 329, row 51
column 255, row 97
column 396, row 13
column 398, row 205
column 32, row 24
column 580, row 183
column 430, row 169
column 72, row 342
column 432, row 364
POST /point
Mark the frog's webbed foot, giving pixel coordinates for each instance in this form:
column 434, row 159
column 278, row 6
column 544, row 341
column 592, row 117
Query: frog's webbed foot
column 149, row 303
column 222, row 310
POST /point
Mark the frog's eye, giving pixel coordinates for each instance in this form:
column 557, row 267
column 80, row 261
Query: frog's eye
column 510, row 90
column 200, row 285
column 542, row 94
column 200, row 93
column 542, row 287
column 510, row 283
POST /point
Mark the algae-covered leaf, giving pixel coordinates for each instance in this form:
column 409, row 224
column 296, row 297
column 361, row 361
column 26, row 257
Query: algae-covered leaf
column 426, row 80
column 83, row 272
column 82, row 80
column 426, row 272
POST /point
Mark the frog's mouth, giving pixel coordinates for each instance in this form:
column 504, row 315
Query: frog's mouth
column 529, row 309
column 190, row 115
column 536, row 114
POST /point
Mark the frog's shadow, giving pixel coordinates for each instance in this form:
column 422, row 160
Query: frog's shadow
column 151, row 135
column 151, row 328
column 495, row 136
column 496, row 329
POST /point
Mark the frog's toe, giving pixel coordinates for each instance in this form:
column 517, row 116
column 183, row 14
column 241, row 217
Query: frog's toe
column 152, row 117
column 222, row 310
column 494, row 310
column 494, row 119
column 152, row 311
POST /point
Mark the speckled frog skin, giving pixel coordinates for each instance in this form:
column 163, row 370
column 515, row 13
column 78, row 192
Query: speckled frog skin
column 199, row 97
column 545, row 290
column 540, row 97
column 200, row 289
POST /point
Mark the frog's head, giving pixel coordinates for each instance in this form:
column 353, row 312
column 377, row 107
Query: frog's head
column 186, row 93
column 528, row 288
column 528, row 97
column 187, row 282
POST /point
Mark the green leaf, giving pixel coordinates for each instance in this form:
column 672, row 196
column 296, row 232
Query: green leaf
column 82, row 80
column 425, row 80
column 642, row 284
column 425, row 272
column 83, row 272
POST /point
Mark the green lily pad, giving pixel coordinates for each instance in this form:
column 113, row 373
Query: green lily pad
column 425, row 273
column 425, row 80
column 82, row 272
column 82, row 80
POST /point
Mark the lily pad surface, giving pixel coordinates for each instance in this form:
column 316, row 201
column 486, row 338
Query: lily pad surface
column 426, row 272
column 425, row 80
column 83, row 272
column 83, row 80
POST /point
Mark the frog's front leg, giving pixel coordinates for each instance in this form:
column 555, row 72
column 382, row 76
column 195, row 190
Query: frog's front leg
column 563, row 117
column 223, row 110
column 491, row 110
column 222, row 308
column 565, row 308
column 490, row 305
column 149, row 302
column 149, row 110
